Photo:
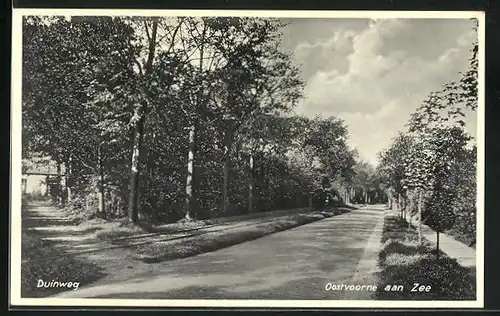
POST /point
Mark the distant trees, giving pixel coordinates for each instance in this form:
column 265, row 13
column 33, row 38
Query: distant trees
column 169, row 118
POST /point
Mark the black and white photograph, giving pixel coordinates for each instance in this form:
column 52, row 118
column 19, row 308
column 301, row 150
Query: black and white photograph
column 247, row 158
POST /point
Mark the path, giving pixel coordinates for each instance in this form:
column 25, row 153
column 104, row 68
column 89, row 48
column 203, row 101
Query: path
column 52, row 224
column 465, row 255
column 294, row 264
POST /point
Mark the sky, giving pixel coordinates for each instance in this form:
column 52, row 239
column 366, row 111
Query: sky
column 374, row 73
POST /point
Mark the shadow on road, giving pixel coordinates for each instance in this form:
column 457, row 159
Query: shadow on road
column 44, row 259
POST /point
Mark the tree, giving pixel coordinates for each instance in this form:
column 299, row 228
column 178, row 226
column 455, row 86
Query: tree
column 257, row 79
column 448, row 143
column 71, row 66
column 171, row 118
column 392, row 164
column 440, row 143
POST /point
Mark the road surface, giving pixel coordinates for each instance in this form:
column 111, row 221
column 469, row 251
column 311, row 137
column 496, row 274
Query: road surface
column 293, row 264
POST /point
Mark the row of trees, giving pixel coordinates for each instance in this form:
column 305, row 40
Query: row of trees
column 430, row 169
column 177, row 117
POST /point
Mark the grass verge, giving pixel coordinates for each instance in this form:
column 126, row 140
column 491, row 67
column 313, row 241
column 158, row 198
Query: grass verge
column 404, row 262
column 61, row 269
column 118, row 230
column 160, row 251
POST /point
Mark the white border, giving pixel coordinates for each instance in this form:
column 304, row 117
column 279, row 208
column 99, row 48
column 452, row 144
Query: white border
column 15, row 190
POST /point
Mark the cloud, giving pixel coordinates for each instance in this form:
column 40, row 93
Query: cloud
column 370, row 132
column 329, row 54
column 375, row 76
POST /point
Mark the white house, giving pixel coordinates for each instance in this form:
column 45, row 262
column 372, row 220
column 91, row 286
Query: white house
column 38, row 176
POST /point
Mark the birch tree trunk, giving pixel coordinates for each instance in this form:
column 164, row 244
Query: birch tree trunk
column 68, row 191
column 250, row 186
column 60, row 189
column 102, row 200
column 399, row 206
column 68, row 181
column 404, row 208
column 134, row 176
column 189, row 179
column 410, row 211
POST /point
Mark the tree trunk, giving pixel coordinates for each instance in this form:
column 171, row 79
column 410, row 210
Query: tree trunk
column 102, row 200
column 410, row 208
column 419, row 217
column 60, row 189
column 400, row 209
column 437, row 245
column 250, row 186
column 226, row 166
column 188, row 206
column 68, row 180
column 225, row 172
column 134, row 176
column 270, row 195
column 133, row 214
column 150, row 175
column 405, row 209
column 150, row 161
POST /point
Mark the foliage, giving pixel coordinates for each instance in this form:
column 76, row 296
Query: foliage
column 112, row 101
column 434, row 157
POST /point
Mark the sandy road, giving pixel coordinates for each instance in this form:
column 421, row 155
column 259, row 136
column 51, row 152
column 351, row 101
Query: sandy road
column 294, row 264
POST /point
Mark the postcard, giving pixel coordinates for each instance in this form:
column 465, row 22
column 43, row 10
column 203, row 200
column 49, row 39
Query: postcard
column 266, row 159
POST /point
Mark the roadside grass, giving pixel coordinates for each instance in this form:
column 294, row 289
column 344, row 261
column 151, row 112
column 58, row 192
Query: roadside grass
column 159, row 251
column 117, row 230
column 61, row 268
column 404, row 262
